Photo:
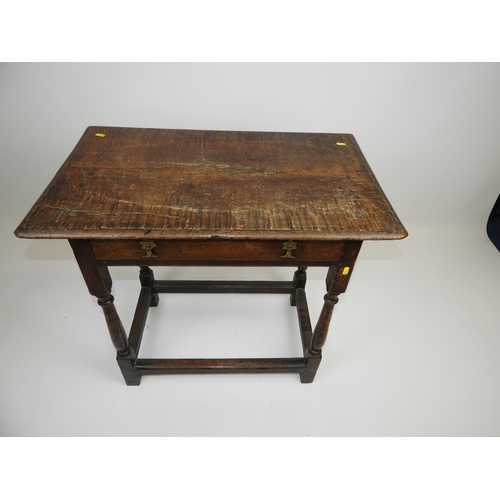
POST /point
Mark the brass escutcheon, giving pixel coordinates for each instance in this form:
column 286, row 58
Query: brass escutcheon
column 148, row 245
column 289, row 246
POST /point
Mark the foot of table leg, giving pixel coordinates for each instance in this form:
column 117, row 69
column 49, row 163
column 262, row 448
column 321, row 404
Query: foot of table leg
column 312, row 364
column 126, row 364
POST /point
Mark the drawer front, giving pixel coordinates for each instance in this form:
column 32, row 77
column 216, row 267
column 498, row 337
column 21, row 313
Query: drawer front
column 216, row 252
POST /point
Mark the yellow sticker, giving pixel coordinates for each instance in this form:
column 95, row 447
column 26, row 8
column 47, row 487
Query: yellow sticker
column 341, row 144
column 100, row 135
column 346, row 270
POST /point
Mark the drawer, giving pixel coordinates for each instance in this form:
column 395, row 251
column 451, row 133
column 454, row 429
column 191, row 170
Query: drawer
column 216, row 252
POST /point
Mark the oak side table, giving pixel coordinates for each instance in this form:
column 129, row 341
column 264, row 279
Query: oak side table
column 154, row 197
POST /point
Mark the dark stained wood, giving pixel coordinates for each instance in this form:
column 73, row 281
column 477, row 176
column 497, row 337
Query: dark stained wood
column 151, row 197
column 313, row 361
column 323, row 324
column 98, row 282
column 299, row 281
column 126, row 362
column 338, row 276
column 180, row 286
column 147, row 279
column 247, row 365
column 191, row 184
column 96, row 277
column 304, row 320
column 139, row 321
column 336, row 283
column 216, row 252
column 115, row 327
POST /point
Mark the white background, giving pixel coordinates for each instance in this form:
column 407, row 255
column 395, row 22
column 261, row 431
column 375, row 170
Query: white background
column 414, row 343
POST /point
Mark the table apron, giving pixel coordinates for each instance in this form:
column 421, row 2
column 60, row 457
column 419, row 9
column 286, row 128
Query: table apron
column 215, row 253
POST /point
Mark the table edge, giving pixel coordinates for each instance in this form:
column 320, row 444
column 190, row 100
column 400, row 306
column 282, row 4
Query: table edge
column 20, row 232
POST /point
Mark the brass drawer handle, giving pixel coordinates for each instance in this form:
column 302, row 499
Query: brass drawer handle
column 148, row 246
column 289, row 246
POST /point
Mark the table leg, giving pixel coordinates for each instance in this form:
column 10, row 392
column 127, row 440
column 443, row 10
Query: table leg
column 336, row 283
column 99, row 283
column 299, row 281
column 147, row 278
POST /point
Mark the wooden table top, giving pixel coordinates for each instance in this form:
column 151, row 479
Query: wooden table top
column 130, row 183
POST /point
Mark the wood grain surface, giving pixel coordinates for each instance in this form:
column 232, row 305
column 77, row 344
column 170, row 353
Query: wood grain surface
column 129, row 183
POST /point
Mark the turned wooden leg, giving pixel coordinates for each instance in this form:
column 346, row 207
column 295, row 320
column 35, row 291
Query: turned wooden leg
column 99, row 283
column 321, row 330
column 147, row 278
column 337, row 280
column 299, row 281
column 115, row 327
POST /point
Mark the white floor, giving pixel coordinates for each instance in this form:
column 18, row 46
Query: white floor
column 413, row 348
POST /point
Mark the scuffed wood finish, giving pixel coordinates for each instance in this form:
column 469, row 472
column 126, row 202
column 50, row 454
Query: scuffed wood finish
column 190, row 184
column 150, row 197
